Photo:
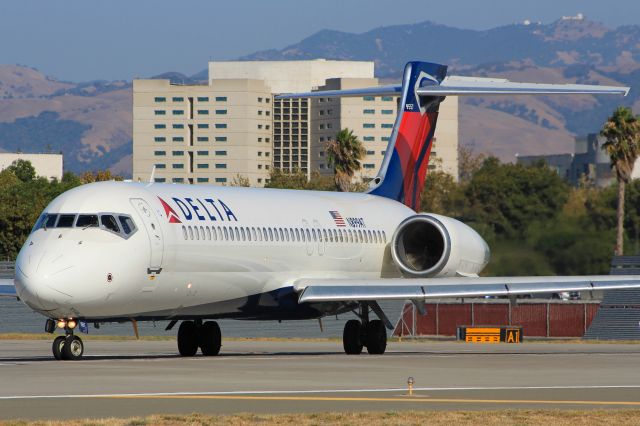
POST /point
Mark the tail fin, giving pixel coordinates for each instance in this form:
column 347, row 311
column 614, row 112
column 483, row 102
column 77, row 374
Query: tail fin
column 404, row 167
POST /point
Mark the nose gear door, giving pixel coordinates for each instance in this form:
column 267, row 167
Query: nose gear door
column 152, row 225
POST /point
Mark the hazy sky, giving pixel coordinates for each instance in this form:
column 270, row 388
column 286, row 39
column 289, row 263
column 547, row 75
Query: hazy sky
column 82, row 40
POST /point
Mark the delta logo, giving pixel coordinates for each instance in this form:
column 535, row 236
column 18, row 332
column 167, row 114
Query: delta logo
column 195, row 208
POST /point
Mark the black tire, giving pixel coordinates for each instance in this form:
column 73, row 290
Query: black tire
column 73, row 348
column 210, row 338
column 376, row 337
column 57, row 346
column 187, row 339
column 352, row 337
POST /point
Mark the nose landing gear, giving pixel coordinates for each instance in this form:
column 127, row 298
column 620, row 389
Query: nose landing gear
column 68, row 347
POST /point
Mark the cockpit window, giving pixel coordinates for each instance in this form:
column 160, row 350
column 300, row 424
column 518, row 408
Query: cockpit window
column 66, row 221
column 109, row 222
column 127, row 224
column 87, row 220
column 50, row 221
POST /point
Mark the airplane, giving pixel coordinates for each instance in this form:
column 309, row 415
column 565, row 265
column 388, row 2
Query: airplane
column 125, row 251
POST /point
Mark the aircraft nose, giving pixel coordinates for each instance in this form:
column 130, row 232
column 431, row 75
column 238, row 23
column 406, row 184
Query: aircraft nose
column 38, row 279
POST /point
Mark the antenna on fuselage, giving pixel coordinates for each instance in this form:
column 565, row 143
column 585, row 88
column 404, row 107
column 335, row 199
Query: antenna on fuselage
column 153, row 174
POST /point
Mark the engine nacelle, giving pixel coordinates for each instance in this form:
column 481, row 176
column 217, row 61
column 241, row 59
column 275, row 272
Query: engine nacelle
column 429, row 245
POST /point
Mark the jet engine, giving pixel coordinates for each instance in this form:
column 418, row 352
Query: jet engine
column 430, row 245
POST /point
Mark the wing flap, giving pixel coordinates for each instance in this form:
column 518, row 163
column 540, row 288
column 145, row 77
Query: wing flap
column 422, row 289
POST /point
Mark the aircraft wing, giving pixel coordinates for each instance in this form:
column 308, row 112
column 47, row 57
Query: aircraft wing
column 337, row 290
column 7, row 288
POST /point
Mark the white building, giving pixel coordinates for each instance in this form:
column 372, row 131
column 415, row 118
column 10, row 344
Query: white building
column 46, row 165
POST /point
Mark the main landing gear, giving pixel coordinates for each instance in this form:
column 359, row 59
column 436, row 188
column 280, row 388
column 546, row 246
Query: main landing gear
column 196, row 334
column 68, row 347
column 364, row 333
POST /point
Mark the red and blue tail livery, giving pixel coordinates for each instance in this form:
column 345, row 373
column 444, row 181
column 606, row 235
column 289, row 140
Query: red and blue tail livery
column 404, row 168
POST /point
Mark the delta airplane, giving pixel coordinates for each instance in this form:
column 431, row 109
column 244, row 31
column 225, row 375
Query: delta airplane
column 121, row 251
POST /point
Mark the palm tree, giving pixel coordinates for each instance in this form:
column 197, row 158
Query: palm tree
column 622, row 133
column 344, row 155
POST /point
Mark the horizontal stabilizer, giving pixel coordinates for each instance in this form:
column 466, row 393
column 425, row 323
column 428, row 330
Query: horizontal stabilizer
column 335, row 290
column 367, row 91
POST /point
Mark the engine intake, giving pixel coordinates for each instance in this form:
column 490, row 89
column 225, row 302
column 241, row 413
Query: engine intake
column 427, row 245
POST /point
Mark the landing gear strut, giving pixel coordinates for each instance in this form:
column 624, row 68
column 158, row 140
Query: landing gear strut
column 364, row 333
column 196, row 334
column 68, row 347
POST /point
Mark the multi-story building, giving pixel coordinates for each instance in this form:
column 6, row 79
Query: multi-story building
column 233, row 125
column 371, row 118
column 45, row 165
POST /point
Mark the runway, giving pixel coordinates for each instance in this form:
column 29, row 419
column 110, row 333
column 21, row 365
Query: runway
column 131, row 378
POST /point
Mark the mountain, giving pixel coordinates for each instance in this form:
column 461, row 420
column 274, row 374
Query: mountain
column 91, row 122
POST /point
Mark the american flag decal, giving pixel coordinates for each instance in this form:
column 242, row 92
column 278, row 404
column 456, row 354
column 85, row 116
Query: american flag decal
column 337, row 218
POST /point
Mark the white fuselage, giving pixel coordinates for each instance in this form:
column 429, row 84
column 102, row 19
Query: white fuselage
column 226, row 252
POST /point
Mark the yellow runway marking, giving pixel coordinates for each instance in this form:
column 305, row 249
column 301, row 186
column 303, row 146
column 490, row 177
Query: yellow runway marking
column 374, row 399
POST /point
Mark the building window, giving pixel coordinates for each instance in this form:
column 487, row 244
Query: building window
column 387, row 98
column 221, row 180
column 368, row 125
column 203, row 165
column 259, row 153
column 178, row 166
column 161, row 166
column 201, row 153
column 178, row 126
column 369, row 111
column 322, row 166
column 160, row 99
column 177, row 180
column 203, row 138
column 221, row 99
column 369, row 166
column 385, row 138
column 221, row 111
column 202, row 180
column 203, row 99
column 159, row 112
column 221, row 166
column 221, row 152
column 203, row 112
column 259, row 112
column 159, row 153
column 368, row 98
column 159, row 180
column 159, row 126
column 387, row 111
column 259, row 99
column 203, row 126
column 178, row 112
column 221, row 138
column 160, row 139
column 178, row 99
column 178, row 153
column 178, row 139
column 386, row 126
column 368, row 138
column 322, row 127
column 221, row 126
column 371, row 152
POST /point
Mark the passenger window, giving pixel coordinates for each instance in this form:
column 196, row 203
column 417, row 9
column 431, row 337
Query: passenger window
column 87, row 220
column 270, row 234
column 297, row 234
column 127, row 224
column 308, row 235
column 360, row 239
column 281, row 234
column 248, row 234
column 324, row 234
column 109, row 222
column 195, row 231
column 184, row 232
column 384, row 237
column 66, row 220
column 226, row 234
column 190, row 233
column 208, row 233
column 237, row 233
column 370, row 236
column 244, row 237
column 313, row 232
column 233, row 237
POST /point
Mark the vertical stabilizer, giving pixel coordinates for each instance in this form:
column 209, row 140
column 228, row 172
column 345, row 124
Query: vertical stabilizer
column 404, row 167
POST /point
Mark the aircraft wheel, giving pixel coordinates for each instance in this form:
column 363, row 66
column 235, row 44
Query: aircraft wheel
column 57, row 346
column 187, row 339
column 352, row 337
column 210, row 338
column 376, row 337
column 73, row 348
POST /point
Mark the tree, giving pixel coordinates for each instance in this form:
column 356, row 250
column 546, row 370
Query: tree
column 622, row 133
column 468, row 162
column 23, row 169
column 344, row 155
column 240, row 180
